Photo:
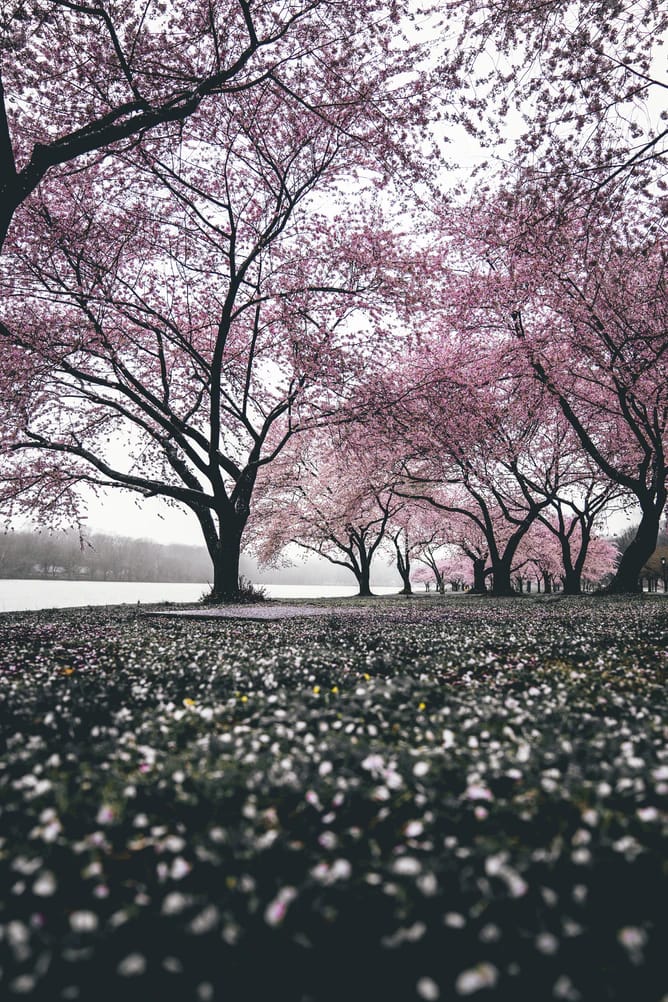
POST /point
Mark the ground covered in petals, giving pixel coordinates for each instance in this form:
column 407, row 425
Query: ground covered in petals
column 433, row 800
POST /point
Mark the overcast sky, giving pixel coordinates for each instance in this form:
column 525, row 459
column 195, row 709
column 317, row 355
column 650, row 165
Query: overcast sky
column 122, row 514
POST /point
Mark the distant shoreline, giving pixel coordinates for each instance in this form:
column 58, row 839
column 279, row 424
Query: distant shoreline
column 83, row 578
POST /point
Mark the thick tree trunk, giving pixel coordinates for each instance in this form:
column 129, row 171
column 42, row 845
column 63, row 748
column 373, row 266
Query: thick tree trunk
column 502, row 584
column 224, row 549
column 572, row 581
column 479, row 586
column 572, row 576
column 404, row 568
column 406, row 580
column 364, row 582
column 226, row 572
column 627, row 578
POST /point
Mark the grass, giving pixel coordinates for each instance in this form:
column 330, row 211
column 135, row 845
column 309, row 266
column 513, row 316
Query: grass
column 436, row 799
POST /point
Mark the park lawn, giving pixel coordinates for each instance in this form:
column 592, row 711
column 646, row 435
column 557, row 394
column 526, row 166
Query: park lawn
column 426, row 799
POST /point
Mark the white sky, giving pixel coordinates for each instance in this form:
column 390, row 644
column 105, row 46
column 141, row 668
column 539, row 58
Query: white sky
column 122, row 514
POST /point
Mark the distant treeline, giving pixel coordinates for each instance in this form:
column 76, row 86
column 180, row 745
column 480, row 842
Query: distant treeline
column 99, row 557
column 105, row 557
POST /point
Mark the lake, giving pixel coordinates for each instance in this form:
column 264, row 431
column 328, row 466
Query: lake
column 22, row 595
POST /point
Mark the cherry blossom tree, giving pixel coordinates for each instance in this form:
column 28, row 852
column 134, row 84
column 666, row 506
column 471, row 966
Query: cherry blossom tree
column 417, row 534
column 586, row 300
column 472, row 547
column 601, row 562
column 432, row 567
column 198, row 313
column 404, row 550
column 479, row 455
column 457, row 571
column 427, row 534
column 330, row 502
column 455, row 550
column 451, row 568
column 431, row 571
column 573, row 518
column 424, row 575
column 538, row 558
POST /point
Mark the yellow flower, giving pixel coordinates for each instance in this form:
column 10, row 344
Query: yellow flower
column 366, row 677
column 244, row 699
column 422, row 706
column 316, row 689
column 189, row 702
column 335, row 689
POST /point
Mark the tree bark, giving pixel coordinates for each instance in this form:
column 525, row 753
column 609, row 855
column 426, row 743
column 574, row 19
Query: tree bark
column 479, row 585
column 502, row 584
column 572, row 581
column 226, row 572
column 572, row 576
column 224, row 548
column 404, row 568
column 627, row 578
column 364, row 580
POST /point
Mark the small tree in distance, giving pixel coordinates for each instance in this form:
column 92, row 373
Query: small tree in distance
column 331, row 502
column 416, row 534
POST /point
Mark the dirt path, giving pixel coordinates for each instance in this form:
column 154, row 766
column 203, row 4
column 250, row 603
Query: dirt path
column 257, row 612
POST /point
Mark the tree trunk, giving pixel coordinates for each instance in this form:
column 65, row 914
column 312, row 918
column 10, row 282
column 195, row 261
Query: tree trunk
column 572, row 576
column 502, row 585
column 225, row 551
column 226, row 572
column 479, row 586
column 404, row 568
column 572, row 581
column 627, row 578
column 363, row 580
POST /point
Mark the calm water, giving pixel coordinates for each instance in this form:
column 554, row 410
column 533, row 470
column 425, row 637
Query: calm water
column 16, row 596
